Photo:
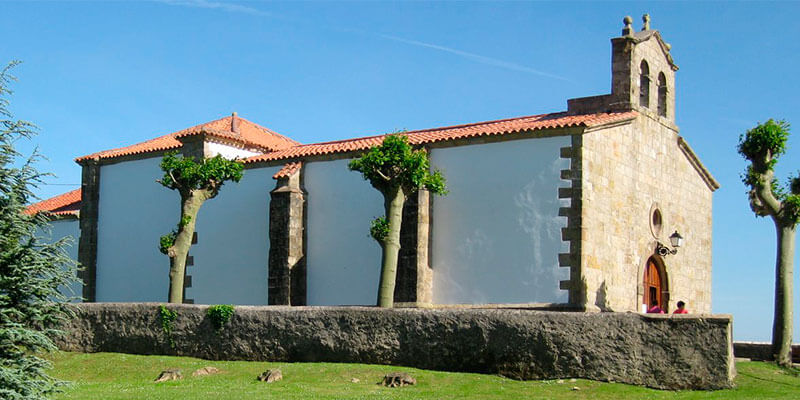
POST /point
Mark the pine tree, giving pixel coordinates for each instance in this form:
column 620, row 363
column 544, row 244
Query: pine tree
column 31, row 270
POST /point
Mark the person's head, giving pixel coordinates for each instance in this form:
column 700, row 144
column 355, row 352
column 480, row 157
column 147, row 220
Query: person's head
column 654, row 302
column 681, row 304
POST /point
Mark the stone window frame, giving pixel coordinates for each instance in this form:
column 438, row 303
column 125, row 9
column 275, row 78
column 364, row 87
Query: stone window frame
column 656, row 229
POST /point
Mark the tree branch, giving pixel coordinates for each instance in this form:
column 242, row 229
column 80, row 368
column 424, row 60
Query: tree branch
column 174, row 181
column 756, row 204
column 386, row 178
column 763, row 190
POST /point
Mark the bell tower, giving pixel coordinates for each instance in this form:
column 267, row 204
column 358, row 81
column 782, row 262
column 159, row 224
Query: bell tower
column 642, row 72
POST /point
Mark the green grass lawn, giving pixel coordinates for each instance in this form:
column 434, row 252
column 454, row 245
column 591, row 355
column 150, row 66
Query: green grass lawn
column 123, row 376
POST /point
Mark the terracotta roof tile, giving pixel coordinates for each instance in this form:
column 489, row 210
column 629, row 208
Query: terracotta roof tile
column 488, row 128
column 64, row 204
column 288, row 170
column 250, row 134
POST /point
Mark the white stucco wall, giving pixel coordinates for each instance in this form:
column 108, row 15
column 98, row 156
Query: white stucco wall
column 232, row 250
column 496, row 236
column 133, row 212
column 228, row 152
column 56, row 230
column 343, row 261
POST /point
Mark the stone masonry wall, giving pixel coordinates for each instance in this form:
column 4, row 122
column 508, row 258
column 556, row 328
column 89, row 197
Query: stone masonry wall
column 628, row 172
column 669, row 352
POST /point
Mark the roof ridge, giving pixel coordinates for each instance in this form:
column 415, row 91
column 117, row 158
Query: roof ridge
column 254, row 135
column 245, row 120
column 441, row 128
column 267, row 130
column 426, row 136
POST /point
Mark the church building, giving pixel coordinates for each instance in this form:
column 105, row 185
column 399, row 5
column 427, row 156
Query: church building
column 567, row 210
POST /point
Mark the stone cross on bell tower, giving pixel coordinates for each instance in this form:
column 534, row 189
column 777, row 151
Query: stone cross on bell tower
column 642, row 72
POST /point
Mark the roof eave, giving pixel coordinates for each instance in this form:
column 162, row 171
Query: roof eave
column 712, row 183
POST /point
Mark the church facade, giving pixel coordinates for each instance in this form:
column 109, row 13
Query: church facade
column 600, row 207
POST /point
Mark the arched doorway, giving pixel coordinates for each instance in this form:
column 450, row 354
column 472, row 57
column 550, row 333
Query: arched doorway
column 655, row 284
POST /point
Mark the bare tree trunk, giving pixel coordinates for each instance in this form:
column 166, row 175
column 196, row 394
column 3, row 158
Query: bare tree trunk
column 782, row 322
column 190, row 206
column 393, row 204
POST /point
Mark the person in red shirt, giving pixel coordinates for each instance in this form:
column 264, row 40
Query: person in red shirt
column 654, row 308
column 681, row 309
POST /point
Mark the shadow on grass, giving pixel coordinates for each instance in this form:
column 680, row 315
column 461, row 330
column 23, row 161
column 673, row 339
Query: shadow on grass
column 793, row 372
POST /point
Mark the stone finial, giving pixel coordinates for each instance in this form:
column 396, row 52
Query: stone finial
column 669, row 46
column 234, row 123
column 628, row 29
column 646, row 20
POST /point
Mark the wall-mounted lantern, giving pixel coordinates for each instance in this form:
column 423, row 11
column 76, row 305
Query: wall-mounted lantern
column 676, row 240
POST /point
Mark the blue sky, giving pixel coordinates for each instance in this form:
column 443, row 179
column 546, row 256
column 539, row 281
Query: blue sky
column 100, row 75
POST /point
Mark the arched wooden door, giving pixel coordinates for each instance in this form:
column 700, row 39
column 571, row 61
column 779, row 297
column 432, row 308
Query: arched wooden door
column 653, row 286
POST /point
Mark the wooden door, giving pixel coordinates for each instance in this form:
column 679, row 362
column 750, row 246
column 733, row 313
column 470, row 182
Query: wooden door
column 652, row 285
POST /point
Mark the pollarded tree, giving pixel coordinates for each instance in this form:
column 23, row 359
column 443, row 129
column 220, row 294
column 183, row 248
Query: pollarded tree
column 762, row 146
column 196, row 182
column 31, row 269
column 396, row 170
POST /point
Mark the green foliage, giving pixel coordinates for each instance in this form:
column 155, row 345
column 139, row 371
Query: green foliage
column 765, row 140
column 185, row 174
column 794, row 184
column 395, row 164
column 31, row 269
column 166, row 241
column 379, row 229
column 762, row 146
column 167, row 318
column 219, row 315
column 791, row 207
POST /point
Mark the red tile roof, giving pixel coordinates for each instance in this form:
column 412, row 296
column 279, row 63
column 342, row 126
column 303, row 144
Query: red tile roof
column 488, row 128
column 280, row 147
column 249, row 134
column 64, row 204
column 288, row 170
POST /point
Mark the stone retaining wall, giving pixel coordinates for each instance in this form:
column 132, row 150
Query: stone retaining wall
column 761, row 351
column 668, row 352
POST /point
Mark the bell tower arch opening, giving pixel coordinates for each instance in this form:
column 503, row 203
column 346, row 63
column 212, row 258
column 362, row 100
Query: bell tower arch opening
column 662, row 95
column 644, row 84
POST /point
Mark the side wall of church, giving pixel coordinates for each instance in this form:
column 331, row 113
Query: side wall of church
column 133, row 212
column 496, row 235
column 231, row 253
column 628, row 172
column 342, row 261
column 228, row 262
column 57, row 230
